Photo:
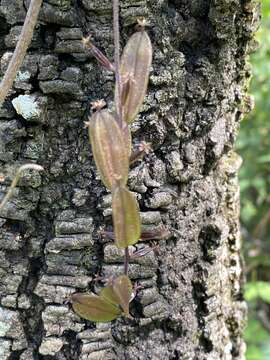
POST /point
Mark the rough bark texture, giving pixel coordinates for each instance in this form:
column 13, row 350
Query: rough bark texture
column 191, row 306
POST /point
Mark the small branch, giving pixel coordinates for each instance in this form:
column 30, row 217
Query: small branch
column 101, row 58
column 262, row 225
column 116, row 36
column 143, row 251
column 127, row 257
column 21, row 48
column 16, row 179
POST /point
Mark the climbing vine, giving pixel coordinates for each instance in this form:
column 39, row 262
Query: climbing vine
column 110, row 138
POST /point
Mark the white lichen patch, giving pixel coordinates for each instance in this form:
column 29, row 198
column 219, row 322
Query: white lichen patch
column 27, row 106
column 5, row 346
column 23, row 76
column 50, row 346
column 6, row 317
column 5, row 60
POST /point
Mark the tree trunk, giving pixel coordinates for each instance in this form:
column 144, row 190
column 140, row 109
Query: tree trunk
column 191, row 305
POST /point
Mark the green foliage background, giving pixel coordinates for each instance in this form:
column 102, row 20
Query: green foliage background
column 254, row 147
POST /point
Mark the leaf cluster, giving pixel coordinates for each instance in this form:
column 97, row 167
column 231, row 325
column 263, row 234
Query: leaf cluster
column 112, row 301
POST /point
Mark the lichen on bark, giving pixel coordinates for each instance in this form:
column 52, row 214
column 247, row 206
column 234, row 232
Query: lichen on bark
column 191, row 305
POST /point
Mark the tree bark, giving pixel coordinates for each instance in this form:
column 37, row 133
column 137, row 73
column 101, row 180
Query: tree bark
column 191, row 305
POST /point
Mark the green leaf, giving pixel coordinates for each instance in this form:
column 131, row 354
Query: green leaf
column 126, row 217
column 118, row 293
column 94, row 308
column 264, row 158
column 255, row 327
column 254, row 353
column 251, row 291
column 122, row 287
column 264, row 291
column 258, row 289
column 108, row 294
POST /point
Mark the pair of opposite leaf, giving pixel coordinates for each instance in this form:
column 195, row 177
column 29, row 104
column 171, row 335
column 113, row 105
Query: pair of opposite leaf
column 111, row 146
column 112, row 301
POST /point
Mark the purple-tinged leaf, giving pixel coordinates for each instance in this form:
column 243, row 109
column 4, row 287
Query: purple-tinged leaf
column 127, row 139
column 135, row 67
column 160, row 233
column 109, row 149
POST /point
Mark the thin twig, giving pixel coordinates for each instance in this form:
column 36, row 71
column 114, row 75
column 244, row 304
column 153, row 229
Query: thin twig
column 21, row 48
column 116, row 36
column 16, row 179
column 119, row 108
column 98, row 54
column 127, row 257
column 262, row 225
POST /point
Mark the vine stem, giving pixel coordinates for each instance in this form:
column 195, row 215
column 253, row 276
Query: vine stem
column 116, row 35
column 21, row 48
column 126, row 261
column 118, row 100
column 16, row 179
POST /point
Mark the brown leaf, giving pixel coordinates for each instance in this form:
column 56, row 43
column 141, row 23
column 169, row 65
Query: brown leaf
column 109, row 149
column 160, row 233
column 135, row 67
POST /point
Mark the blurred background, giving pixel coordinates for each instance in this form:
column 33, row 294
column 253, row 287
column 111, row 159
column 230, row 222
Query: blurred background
column 254, row 147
